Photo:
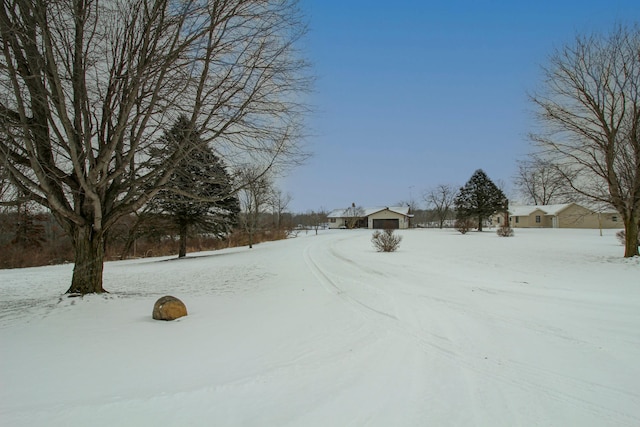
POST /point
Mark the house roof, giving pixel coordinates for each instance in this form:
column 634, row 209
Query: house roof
column 546, row 209
column 342, row 213
column 553, row 210
column 402, row 210
column 336, row 213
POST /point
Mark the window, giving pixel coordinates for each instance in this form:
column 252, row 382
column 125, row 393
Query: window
column 538, row 219
column 517, row 219
column 614, row 218
column 332, row 220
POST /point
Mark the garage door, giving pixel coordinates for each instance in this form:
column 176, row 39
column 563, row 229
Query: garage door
column 386, row 223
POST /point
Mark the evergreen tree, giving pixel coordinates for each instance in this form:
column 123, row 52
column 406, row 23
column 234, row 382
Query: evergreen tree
column 199, row 194
column 479, row 198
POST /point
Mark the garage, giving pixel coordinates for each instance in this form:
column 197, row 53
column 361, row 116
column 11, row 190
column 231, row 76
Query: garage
column 386, row 223
column 395, row 217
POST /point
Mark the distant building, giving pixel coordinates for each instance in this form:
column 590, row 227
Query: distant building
column 568, row 215
column 380, row 218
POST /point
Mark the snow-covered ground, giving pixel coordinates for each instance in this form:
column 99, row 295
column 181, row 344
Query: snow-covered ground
column 542, row 329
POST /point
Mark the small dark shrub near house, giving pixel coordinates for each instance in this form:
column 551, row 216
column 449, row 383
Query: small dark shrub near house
column 463, row 225
column 505, row 231
column 385, row 241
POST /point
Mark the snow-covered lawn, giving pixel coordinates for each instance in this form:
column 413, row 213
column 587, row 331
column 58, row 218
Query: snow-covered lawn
column 542, row 329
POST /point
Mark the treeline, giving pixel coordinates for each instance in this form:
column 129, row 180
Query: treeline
column 30, row 238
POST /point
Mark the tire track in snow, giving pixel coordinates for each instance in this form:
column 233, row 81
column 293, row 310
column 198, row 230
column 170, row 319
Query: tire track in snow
column 522, row 376
column 334, row 288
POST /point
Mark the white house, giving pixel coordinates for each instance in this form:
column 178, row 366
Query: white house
column 380, row 217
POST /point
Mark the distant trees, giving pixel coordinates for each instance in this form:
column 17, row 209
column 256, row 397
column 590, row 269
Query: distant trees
column 199, row 193
column 589, row 109
column 131, row 229
column 479, row 199
column 317, row 218
column 88, row 88
column 256, row 189
column 441, row 200
column 540, row 182
column 279, row 203
column 7, row 191
column 29, row 228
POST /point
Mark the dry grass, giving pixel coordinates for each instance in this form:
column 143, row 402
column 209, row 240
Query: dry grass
column 60, row 251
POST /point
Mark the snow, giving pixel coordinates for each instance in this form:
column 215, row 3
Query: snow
column 365, row 212
column 541, row 329
column 526, row 210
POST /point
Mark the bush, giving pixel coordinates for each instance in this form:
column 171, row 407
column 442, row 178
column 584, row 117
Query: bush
column 463, row 225
column 385, row 241
column 505, row 231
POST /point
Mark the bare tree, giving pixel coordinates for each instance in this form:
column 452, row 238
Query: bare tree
column 89, row 87
column 590, row 110
column 317, row 219
column 279, row 203
column 353, row 215
column 540, row 183
column 440, row 199
column 254, row 197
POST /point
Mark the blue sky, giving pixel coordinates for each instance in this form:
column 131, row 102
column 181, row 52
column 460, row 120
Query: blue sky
column 412, row 94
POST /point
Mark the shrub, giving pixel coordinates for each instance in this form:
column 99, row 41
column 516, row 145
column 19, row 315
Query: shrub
column 385, row 241
column 463, row 225
column 505, row 231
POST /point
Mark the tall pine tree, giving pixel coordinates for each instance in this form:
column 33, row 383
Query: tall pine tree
column 199, row 196
column 479, row 198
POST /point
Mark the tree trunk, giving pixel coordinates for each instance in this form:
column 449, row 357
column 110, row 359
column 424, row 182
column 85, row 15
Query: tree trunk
column 479, row 223
column 127, row 247
column 132, row 236
column 631, row 237
column 182, row 252
column 89, row 259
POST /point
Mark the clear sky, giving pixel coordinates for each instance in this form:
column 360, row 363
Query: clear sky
column 411, row 94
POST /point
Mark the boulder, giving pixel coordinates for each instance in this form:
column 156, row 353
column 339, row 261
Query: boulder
column 169, row 308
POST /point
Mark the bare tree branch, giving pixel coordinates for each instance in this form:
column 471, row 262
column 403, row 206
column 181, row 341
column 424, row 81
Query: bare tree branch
column 590, row 110
column 89, row 87
column 441, row 199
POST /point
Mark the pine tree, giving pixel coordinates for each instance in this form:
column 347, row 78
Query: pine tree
column 199, row 194
column 479, row 198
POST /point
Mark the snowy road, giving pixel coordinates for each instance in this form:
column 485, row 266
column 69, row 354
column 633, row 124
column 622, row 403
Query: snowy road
column 495, row 349
column 451, row 330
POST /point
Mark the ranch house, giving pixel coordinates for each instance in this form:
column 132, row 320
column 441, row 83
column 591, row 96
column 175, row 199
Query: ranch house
column 396, row 217
column 568, row 215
